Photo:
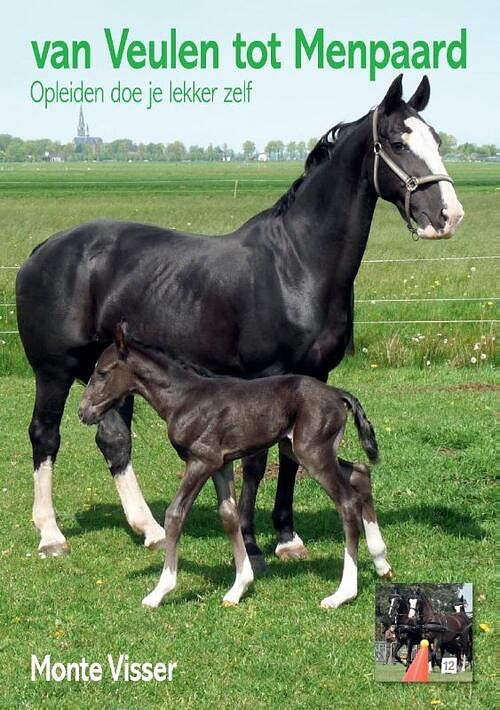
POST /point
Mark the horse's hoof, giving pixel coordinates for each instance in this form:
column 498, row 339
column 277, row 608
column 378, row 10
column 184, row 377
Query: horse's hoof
column 160, row 544
column 388, row 575
column 55, row 549
column 292, row 550
column 226, row 603
column 258, row 564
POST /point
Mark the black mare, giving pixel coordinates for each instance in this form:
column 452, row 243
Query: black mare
column 275, row 296
column 407, row 632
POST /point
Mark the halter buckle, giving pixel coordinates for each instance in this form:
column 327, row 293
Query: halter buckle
column 377, row 147
column 413, row 231
column 411, row 184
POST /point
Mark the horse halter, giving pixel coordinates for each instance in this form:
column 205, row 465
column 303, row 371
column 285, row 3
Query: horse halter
column 411, row 182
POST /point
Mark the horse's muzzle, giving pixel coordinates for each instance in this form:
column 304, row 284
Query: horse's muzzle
column 88, row 415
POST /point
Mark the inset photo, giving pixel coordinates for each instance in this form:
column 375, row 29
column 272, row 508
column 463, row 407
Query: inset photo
column 423, row 632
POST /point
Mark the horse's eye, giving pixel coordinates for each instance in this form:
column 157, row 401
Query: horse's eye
column 398, row 147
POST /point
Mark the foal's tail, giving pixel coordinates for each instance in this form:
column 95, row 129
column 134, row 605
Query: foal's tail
column 365, row 429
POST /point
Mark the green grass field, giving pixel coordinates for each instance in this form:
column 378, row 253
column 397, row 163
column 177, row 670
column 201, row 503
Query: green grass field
column 394, row 674
column 433, row 488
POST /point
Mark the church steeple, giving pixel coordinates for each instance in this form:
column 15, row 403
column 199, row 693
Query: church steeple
column 83, row 137
column 80, row 131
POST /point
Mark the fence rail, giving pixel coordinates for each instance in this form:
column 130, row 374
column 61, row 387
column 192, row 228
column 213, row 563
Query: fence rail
column 381, row 301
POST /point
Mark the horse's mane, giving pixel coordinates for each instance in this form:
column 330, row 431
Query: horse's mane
column 323, row 151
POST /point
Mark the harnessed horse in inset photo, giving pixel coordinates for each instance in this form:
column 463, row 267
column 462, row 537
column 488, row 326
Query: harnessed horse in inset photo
column 273, row 297
column 445, row 632
column 406, row 631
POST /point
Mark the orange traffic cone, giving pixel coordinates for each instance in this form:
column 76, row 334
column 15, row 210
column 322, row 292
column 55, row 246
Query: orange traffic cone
column 418, row 672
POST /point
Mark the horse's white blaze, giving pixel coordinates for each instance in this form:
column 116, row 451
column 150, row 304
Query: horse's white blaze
column 348, row 587
column 168, row 581
column 423, row 144
column 244, row 578
column 43, row 509
column 413, row 608
column 136, row 509
column 376, row 547
column 393, row 602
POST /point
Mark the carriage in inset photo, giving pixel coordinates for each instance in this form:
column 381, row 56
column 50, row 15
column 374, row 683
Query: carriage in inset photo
column 434, row 617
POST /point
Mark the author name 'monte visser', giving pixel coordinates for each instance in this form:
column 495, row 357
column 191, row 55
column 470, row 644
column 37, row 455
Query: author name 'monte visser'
column 119, row 669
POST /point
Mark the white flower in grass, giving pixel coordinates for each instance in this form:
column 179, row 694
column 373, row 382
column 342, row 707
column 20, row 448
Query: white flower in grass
column 445, row 341
column 428, row 362
column 364, row 350
column 473, row 360
column 476, row 346
column 472, row 268
column 483, row 356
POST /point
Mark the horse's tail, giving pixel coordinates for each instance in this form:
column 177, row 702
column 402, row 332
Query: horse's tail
column 365, row 429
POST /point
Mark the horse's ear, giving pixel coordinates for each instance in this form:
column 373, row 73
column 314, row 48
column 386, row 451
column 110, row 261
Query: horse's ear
column 420, row 98
column 120, row 338
column 394, row 95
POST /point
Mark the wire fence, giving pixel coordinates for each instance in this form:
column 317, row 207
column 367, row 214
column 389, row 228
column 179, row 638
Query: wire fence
column 381, row 301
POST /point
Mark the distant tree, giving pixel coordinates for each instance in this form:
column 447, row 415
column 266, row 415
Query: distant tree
column 291, row 150
column 275, row 150
column 5, row 139
column 487, row 149
column 227, row 152
column 15, row 151
column 175, row 152
column 248, row 150
column 301, row 150
column 448, row 143
column 467, row 150
column 311, row 143
column 196, row 152
column 119, row 149
column 210, row 153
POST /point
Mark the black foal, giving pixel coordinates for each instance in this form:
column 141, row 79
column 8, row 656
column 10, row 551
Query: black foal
column 213, row 421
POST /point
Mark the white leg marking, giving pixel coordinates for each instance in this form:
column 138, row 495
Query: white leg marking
column 295, row 543
column 348, row 587
column 136, row 509
column 376, row 547
column 244, row 578
column 168, row 580
column 43, row 512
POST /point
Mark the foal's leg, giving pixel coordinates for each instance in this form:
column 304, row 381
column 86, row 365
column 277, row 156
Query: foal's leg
column 358, row 476
column 51, row 394
column 253, row 471
column 192, row 482
column 290, row 545
column 322, row 465
column 228, row 511
column 114, row 440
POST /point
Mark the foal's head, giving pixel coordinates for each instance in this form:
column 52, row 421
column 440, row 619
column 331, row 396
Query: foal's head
column 111, row 380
